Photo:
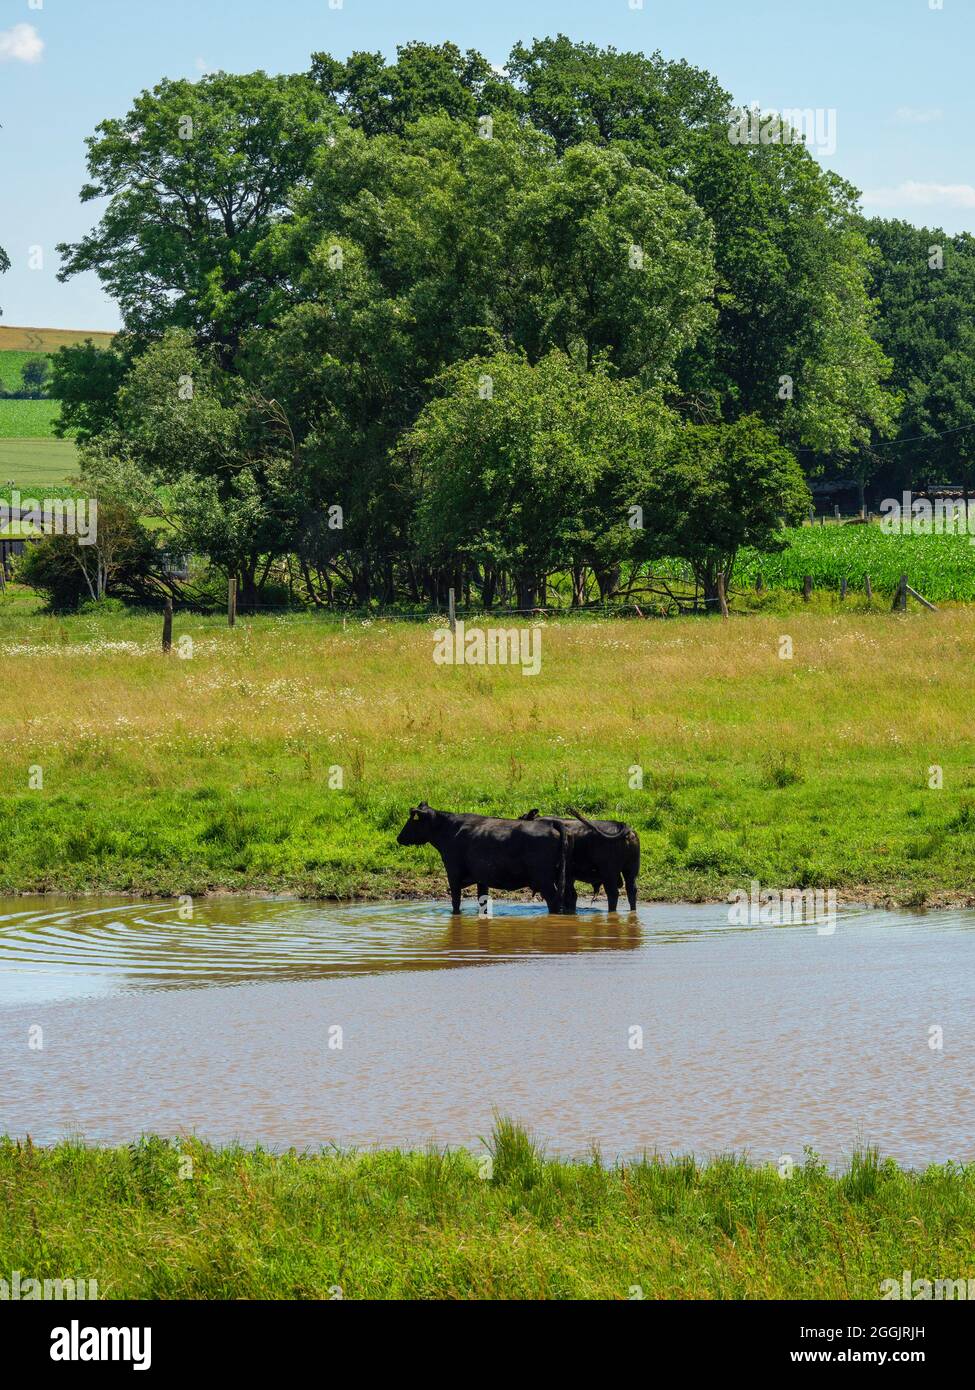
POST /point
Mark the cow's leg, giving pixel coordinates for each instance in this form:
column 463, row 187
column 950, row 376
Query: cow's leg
column 630, row 880
column 456, row 888
column 553, row 898
column 483, row 900
column 612, row 893
column 571, row 898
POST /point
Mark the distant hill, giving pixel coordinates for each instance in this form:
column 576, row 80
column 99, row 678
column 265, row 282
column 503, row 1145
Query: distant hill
column 41, row 340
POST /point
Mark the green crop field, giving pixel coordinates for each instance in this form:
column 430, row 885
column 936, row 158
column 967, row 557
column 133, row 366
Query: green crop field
column 938, row 566
column 28, row 419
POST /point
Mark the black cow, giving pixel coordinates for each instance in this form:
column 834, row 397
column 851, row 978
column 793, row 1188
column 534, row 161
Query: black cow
column 492, row 853
column 604, row 853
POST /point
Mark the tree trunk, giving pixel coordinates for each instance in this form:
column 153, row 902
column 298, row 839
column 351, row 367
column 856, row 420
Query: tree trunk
column 608, row 581
column 488, row 587
column 708, row 576
column 578, row 585
column 248, row 584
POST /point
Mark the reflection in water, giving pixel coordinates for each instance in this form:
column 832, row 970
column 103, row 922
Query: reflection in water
column 238, row 940
column 758, row 1039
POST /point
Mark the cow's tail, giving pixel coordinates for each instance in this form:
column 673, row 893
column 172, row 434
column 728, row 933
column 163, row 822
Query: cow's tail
column 563, row 861
column 606, row 834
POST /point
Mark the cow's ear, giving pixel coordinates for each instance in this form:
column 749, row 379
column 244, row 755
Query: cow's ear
column 424, row 806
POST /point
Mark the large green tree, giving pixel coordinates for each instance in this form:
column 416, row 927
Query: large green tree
column 718, row 489
column 86, row 381
column 793, row 341
column 383, row 98
column 221, row 450
column 791, row 296
column 581, row 94
column 196, row 175
column 619, row 261
column 526, row 468
column 924, row 281
column 334, row 243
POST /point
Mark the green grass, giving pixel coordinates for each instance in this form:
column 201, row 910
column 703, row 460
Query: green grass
column 160, row 1220
column 167, row 776
column 36, row 464
column 941, row 567
column 28, row 419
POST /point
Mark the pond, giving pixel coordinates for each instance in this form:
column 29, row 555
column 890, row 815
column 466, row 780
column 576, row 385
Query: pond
column 384, row 1025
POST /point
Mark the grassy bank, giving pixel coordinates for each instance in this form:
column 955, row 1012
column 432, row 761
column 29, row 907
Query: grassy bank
column 162, row 1221
column 163, row 775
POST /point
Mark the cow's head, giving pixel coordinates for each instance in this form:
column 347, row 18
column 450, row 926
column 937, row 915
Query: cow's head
column 418, row 830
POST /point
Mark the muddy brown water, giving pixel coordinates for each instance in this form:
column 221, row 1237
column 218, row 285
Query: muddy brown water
column 118, row 1019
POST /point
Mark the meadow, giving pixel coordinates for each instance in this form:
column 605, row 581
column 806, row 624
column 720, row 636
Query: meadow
column 38, row 467
column 284, row 755
column 30, row 458
column 237, row 1224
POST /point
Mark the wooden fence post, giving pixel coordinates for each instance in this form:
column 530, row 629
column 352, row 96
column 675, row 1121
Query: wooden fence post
column 168, row 626
column 807, row 588
column 921, row 600
column 231, row 602
column 900, row 597
column 842, row 590
column 866, row 585
column 452, row 609
column 759, row 585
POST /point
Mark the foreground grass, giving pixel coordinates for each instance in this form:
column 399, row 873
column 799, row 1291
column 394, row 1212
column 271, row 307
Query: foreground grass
column 249, row 1224
column 169, row 776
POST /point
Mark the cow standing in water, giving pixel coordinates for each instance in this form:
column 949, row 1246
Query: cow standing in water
column 487, row 852
column 605, row 853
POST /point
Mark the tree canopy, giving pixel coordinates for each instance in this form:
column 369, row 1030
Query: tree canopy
column 333, row 258
column 924, row 282
column 196, row 175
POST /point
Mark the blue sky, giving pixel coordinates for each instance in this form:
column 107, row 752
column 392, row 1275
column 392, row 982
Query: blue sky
column 897, row 73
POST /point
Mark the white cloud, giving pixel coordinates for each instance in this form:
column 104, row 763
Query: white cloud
column 916, row 115
column 922, row 195
column 21, row 44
